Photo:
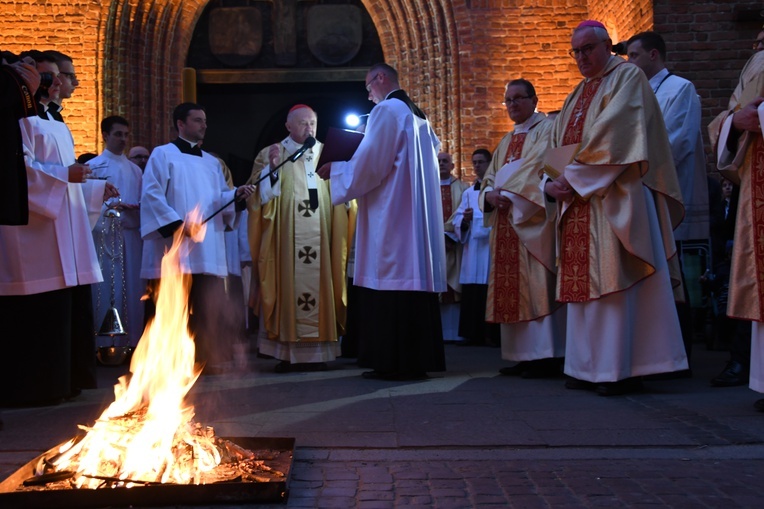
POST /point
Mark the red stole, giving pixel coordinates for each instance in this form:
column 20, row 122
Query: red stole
column 445, row 198
column 573, row 270
column 515, row 149
column 506, row 279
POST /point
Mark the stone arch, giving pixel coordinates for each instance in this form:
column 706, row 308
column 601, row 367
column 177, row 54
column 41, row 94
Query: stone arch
column 419, row 38
column 145, row 43
column 453, row 57
column 142, row 53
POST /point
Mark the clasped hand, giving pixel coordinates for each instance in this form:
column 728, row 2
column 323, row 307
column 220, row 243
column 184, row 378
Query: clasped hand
column 747, row 118
column 559, row 189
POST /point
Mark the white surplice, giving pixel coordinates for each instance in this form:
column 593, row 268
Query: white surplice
column 476, row 256
column 124, row 264
column 173, row 184
column 399, row 228
column 680, row 106
column 55, row 250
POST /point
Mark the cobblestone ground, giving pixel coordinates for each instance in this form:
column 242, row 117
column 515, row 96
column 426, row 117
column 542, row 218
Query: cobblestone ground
column 468, row 438
column 528, row 484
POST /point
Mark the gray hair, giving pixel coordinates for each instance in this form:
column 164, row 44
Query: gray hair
column 601, row 33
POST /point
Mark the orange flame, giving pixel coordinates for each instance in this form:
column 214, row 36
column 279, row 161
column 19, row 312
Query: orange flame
column 147, row 433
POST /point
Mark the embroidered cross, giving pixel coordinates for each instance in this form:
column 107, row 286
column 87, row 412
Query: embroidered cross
column 309, row 158
column 310, row 174
column 307, row 254
column 306, row 302
column 304, row 208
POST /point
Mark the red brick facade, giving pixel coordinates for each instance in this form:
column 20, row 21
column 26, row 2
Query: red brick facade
column 454, row 56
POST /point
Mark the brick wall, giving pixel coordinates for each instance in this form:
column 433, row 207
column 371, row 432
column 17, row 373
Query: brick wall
column 454, row 56
column 622, row 19
column 70, row 26
column 128, row 55
column 708, row 44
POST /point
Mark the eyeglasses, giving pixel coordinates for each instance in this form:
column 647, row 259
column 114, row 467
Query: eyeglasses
column 72, row 76
column 757, row 43
column 585, row 50
column 368, row 85
column 514, row 100
column 139, row 157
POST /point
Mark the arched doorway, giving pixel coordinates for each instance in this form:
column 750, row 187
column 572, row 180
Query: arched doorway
column 256, row 59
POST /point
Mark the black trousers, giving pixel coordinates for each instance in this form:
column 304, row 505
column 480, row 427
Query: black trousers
column 400, row 331
column 48, row 346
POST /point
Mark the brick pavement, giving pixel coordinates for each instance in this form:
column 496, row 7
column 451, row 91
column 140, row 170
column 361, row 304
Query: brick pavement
column 469, row 437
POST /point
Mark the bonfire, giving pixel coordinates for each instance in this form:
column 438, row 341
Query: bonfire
column 148, row 434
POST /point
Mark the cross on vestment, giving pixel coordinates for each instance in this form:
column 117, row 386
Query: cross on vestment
column 578, row 116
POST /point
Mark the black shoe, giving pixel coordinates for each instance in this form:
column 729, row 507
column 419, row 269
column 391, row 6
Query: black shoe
column 544, row 368
column 579, row 385
column 283, row 367
column 516, row 370
column 759, row 405
column 377, row 375
column 732, row 375
column 620, row 387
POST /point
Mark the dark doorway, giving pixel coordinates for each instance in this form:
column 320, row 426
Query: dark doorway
column 245, row 118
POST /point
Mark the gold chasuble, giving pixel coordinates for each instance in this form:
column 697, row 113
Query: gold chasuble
column 522, row 278
column 745, row 166
column 301, row 253
column 604, row 237
column 451, row 198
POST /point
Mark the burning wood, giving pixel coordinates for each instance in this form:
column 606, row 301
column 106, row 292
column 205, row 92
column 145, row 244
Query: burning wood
column 147, row 436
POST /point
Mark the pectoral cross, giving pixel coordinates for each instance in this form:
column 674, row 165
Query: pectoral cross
column 578, row 116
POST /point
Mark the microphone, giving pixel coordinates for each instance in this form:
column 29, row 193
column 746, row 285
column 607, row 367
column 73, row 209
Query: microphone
column 309, row 142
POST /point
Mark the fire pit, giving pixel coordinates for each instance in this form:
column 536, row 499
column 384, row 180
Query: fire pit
column 272, row 487
column 145, row 448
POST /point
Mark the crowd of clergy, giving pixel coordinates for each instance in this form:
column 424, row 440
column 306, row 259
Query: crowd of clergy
column 566, row 251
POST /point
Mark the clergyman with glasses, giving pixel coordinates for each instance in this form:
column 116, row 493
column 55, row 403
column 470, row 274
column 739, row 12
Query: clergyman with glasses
column 400, row 258
column 618, row 202
column 522, row 243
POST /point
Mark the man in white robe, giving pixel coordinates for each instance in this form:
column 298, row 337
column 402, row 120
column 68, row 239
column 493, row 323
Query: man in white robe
column 475, row 264
column 521, row 285
column 680, row 107
column 451, row 189
column 619, row 201
column 45, row 267
column 118, row 239
column 179, row 177
column 296, row 235
column 737, row 137
column 400, row 259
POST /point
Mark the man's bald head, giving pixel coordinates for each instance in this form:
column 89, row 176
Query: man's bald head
column 139, row 156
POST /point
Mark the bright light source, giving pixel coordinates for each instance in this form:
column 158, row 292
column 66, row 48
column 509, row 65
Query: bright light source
column 352, row 120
